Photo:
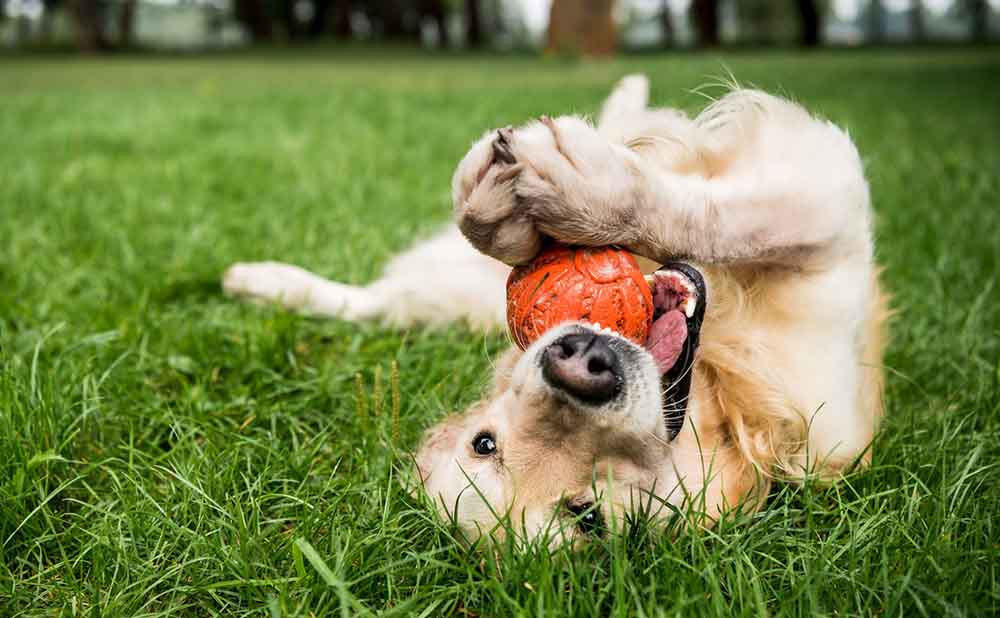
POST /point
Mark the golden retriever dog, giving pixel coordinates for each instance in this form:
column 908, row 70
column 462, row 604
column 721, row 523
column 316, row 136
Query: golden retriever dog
column 764, row 357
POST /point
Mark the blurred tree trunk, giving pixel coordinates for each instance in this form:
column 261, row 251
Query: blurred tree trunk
column 23, row 30
column 45, row 26
column 706, row 21
column 286, row 12
column 320, row 18
column 393, row 14
column 342, row 20
column 253, row 14
column 473, row 24
column 811, row 22
column 48, row 17
column 126, row 24
column 582, row 26
column 666, row 24
column 876, row 22
column 89, row 25
column 918, row 30
column 435, row 9
column 979, row 13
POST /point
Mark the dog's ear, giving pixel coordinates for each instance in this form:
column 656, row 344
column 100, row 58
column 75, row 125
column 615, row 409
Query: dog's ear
column 504, row 369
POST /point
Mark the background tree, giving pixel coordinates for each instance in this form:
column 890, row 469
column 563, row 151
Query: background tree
column 757, row 21
column 254, row 16
column 395, row 18
column 289, row 20
column 917, row 27
column 876, row 21
column 582, row 26
column 48, row 17
column 437, row 12
column 126, row 23
column 811, row 22
column 473, row 24
column 319, row 21
column 666, row 24
column 706, row 22
column 88, row 25
column 342, row 28
column 89, row 19
column 979, row 13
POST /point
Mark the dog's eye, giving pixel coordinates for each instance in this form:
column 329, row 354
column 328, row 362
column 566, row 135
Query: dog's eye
column 588, row 517
column 484, row 444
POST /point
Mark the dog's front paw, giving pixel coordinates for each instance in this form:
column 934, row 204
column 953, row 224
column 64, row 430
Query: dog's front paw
column 487, row 208
column 556, row 178
column 268, row 282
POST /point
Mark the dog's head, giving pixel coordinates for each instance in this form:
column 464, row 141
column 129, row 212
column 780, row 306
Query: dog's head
column 580, row 428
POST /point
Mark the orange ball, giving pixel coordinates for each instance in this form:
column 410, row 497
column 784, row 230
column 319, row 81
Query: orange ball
column 594, row 284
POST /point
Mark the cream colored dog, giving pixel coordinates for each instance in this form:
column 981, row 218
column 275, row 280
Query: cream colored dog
column 768, row 328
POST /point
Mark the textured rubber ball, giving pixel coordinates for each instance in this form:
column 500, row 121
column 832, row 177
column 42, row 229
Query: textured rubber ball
column 594, row 284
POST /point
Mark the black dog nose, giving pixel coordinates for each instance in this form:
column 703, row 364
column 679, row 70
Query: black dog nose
column 583, row 365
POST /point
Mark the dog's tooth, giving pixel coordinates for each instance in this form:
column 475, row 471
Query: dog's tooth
column 689, row 306
column 691, row 302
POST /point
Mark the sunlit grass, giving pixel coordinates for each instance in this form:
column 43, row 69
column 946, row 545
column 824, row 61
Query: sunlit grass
column 164, row 451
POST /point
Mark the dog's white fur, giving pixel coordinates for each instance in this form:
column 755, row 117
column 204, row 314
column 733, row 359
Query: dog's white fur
column 772, row 205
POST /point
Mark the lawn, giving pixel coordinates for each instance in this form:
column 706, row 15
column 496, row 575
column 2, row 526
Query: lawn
column 167, row 452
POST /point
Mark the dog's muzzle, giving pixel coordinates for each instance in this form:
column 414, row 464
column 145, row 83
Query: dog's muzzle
column 585, row 366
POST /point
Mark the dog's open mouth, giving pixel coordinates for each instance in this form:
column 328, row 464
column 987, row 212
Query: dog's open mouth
column 679, row 299
column 674, row 301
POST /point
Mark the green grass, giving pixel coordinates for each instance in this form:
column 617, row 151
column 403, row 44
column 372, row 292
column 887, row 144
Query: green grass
column 167, row 452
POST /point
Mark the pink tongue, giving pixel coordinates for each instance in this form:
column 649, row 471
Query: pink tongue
column 666, row 339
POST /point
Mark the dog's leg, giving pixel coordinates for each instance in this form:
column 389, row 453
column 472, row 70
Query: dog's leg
column 628, row 98
column 298, row 289
column 775, row 185
column 437, row 281
column 664, row 135
column 780, row 187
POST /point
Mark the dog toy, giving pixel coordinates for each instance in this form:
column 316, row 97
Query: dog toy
column 599, row 285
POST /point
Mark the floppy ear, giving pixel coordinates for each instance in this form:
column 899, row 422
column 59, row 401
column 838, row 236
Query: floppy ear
column 503, row 369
